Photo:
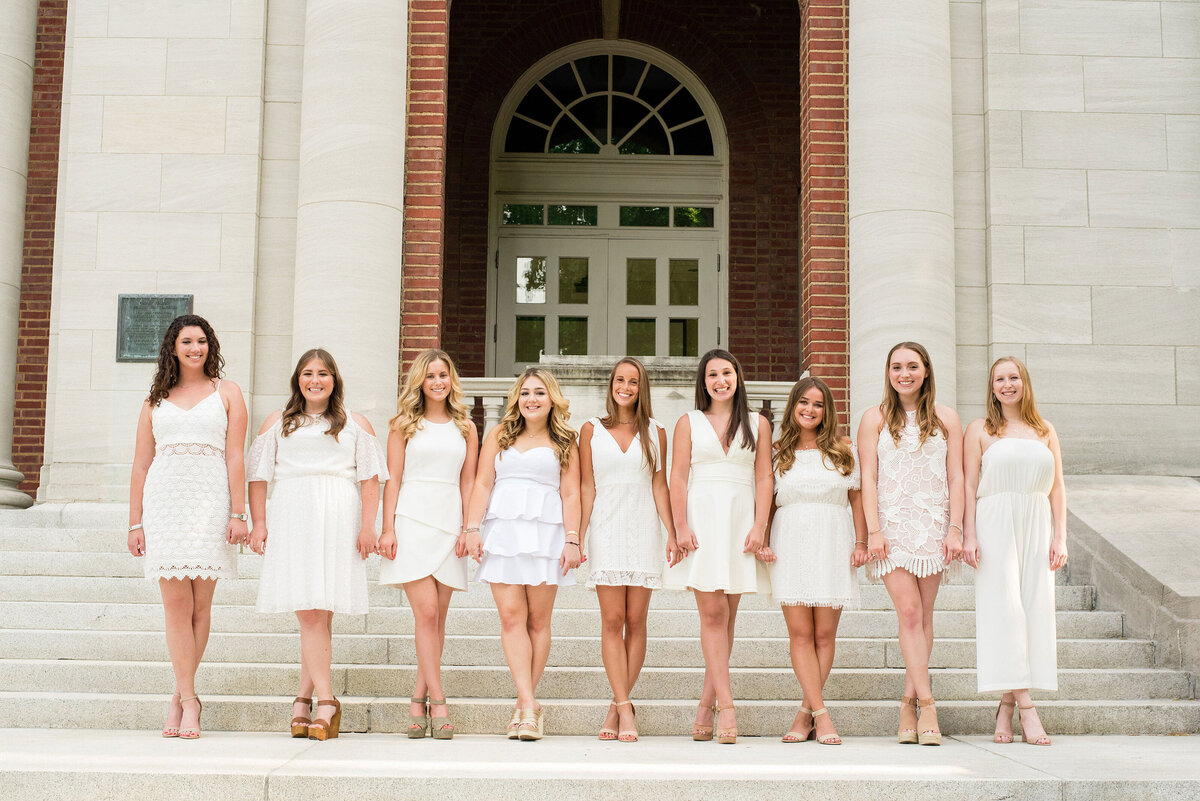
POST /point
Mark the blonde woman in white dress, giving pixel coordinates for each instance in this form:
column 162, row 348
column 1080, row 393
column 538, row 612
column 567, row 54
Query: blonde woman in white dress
column 319, row 526
column 625, row 507
column 523, row 529
column 1016, row 537
column 720, row 500
column 910, row 449
column 818, row 540
column 432, row 450
column 187, row 498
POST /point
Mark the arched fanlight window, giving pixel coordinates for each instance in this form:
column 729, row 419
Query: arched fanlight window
column 609, row 103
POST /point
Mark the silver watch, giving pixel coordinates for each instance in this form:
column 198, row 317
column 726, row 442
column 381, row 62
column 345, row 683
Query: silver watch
column 240, row 516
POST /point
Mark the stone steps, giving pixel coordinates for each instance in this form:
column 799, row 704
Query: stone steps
column 485, row 620
column 493, row 681
column 566, row 651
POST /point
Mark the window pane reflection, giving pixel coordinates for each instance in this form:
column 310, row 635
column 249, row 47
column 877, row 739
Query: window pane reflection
column 683, row 337
column 573, row 280
column 531, row 279
column 531, row 339
column 639, row 282
column 572, row 336
column 685, row 282
column 639, row 336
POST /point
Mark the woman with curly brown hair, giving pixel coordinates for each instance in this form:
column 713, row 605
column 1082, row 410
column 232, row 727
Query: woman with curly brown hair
column 187, row 503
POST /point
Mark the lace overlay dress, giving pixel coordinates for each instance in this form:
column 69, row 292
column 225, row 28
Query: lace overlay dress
column 813, row 534
column 625, row 537
column 914, row 502
column 429, row 509
column 314, row 515
column 185, row 502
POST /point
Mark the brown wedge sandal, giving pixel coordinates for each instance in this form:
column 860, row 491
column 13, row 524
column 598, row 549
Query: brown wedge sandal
column 326, row 729
column 300, row 724
column 907, row 736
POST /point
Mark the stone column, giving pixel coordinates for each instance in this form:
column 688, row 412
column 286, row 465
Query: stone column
column 351, row 195
column 901, row 191
column 18, row 34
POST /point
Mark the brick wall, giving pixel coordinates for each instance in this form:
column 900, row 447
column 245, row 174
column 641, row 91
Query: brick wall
column 33, row 339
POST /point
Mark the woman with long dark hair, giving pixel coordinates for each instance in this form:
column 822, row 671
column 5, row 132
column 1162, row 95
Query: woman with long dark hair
column 187, row 503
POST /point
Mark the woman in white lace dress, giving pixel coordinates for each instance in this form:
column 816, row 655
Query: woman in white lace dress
column 910, row 448
column 625, row 507
column 187, row 504
column 818, row 540
column 319, row 526
column 432, row 451
column 1016, row 538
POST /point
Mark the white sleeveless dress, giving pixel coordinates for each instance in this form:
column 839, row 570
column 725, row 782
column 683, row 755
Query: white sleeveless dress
column 314, row 515
column 185, row 502
column 1015, row 639
column 429, row 509
column 812, row 534
column 720, row 510
column 523, row 533
column 914, row 502
column 625, row 538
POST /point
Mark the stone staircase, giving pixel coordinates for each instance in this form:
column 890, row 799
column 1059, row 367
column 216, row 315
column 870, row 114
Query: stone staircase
column 81, row 646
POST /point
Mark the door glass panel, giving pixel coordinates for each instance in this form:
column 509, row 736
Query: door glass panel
column 639, row 336
column 683, row 337
column 649, row 216
column 531, row 279
column 685, row 282
column 572, row 215
column 572, row 336
column 693, row 216
column 521, row 214
column 573, row 279
column 531, row 339
column 639, row 282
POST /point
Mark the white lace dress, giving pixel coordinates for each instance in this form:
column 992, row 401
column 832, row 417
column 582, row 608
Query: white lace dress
column 625, row 537
column 185, row 502
column 914, row 502
column 314, row 515
column 429, row 509
column 812, row 534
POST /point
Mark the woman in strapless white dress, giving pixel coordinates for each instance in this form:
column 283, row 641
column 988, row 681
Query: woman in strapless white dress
column 1016, row 537
column 432, row 451
column 721, row 484
column 910, row 451
column 187, row 502
column 523, row 529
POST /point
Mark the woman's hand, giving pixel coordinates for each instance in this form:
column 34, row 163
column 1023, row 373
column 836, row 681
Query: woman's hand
column 952, row 546
column 755, row 541
column 460, row 545
column 474, row 544
column 137, row 542
column 386, row 547
column 675, row 554
column 765, row 555
column 877, row 547
column 258, row 538
column 1058, row 552
column 859, row 557
column 366, row 541
column 571, row 558
column 970, row 551
column 685, row 539
column 236, row 532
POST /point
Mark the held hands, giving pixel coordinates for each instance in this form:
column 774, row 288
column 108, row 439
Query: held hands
column 952, row 546
column 473, row 544
column 859, row 557
column 258, row 538
column 137, row 542
column 1058, row 552
column 685, row 540
column 756, row 540
column 387, row 545
column 571, row 558
column 236, row 532
column 970, row 552
column 877, row 547
column 675, row 554
column 366, row 541
column 765, row 555
column 460, row 545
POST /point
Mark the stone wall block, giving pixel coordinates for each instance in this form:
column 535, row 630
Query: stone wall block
column 970, row 315
column 154, row 241
column 239, row 242
column 93, row 303
column 169, row 18
column 1187, row 376
column 969, row 200
column 1098, row 141
column 1185, row 257
column 1090, row 28
column 1005, row 254
column 76, row 240
column 1003, row 131
column 1040, row 314
column 84, row 125
column 1146, row 316
column 1154, row 85
column 279, row 188
column 1034, row 83
column 1101, row 256
column 283, row 69
column 224, row 67
column 1183, row 142
column 1038, row 197
column 966, row 85
column 285, row 22
column 1134, row 447
column 115, row 66
column 1181, row 30
column 1083, row 374
column 968, row 143
column 966, row 30
column 1118, row 198
column 164, row 124
column 210, row 183
column 92, row 179
column 970, row 257
column 281, row 131
column 1002, row 26
column 243, row 125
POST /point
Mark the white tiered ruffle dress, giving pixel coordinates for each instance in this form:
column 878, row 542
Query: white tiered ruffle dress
column 429, row 509
column 523, row 533
column 314, row 515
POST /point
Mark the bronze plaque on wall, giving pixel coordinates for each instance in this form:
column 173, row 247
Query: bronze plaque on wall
column 141, row 322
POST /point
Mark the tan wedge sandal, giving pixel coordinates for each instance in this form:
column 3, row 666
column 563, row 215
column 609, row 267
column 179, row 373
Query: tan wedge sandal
column 927, row 736
column 417, row 724
column 300, row 723
column 907, row 736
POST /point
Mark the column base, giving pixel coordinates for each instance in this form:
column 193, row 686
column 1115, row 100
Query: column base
column 10, row 496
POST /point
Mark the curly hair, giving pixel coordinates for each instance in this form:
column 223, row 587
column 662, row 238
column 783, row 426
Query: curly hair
column 410, row 406
column 512, row 423
column 166, row 373
column 893, row 412
column 293, row 413
column 829, row 443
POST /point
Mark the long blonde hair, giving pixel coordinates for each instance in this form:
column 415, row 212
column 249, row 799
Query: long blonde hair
column 512, row 423
column 641, row 410
column 893, row 413
column 410, row 407
column 293, row 414
column 828, row 441
column 995, row 423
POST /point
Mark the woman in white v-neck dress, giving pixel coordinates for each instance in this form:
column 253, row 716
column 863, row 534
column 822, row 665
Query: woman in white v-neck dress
column 1016, row 537
column 625, row 507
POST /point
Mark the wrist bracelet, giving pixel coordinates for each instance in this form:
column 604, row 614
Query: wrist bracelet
column 576, row 544
column 470, row 529
column 134, row 527
column 860, row 542
column 957, row 526
column 876, row 531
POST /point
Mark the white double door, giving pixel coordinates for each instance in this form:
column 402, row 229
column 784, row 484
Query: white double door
column 598, row 296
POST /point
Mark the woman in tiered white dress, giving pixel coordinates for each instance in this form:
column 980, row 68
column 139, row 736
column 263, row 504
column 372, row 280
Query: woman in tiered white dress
column 528, row 542
column 910, row 449
column 1017, row 537
column 432, row 451
column 720, row 500
column 818, row 539
column 625, row 507
column 187, row 503
column 319, row 526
